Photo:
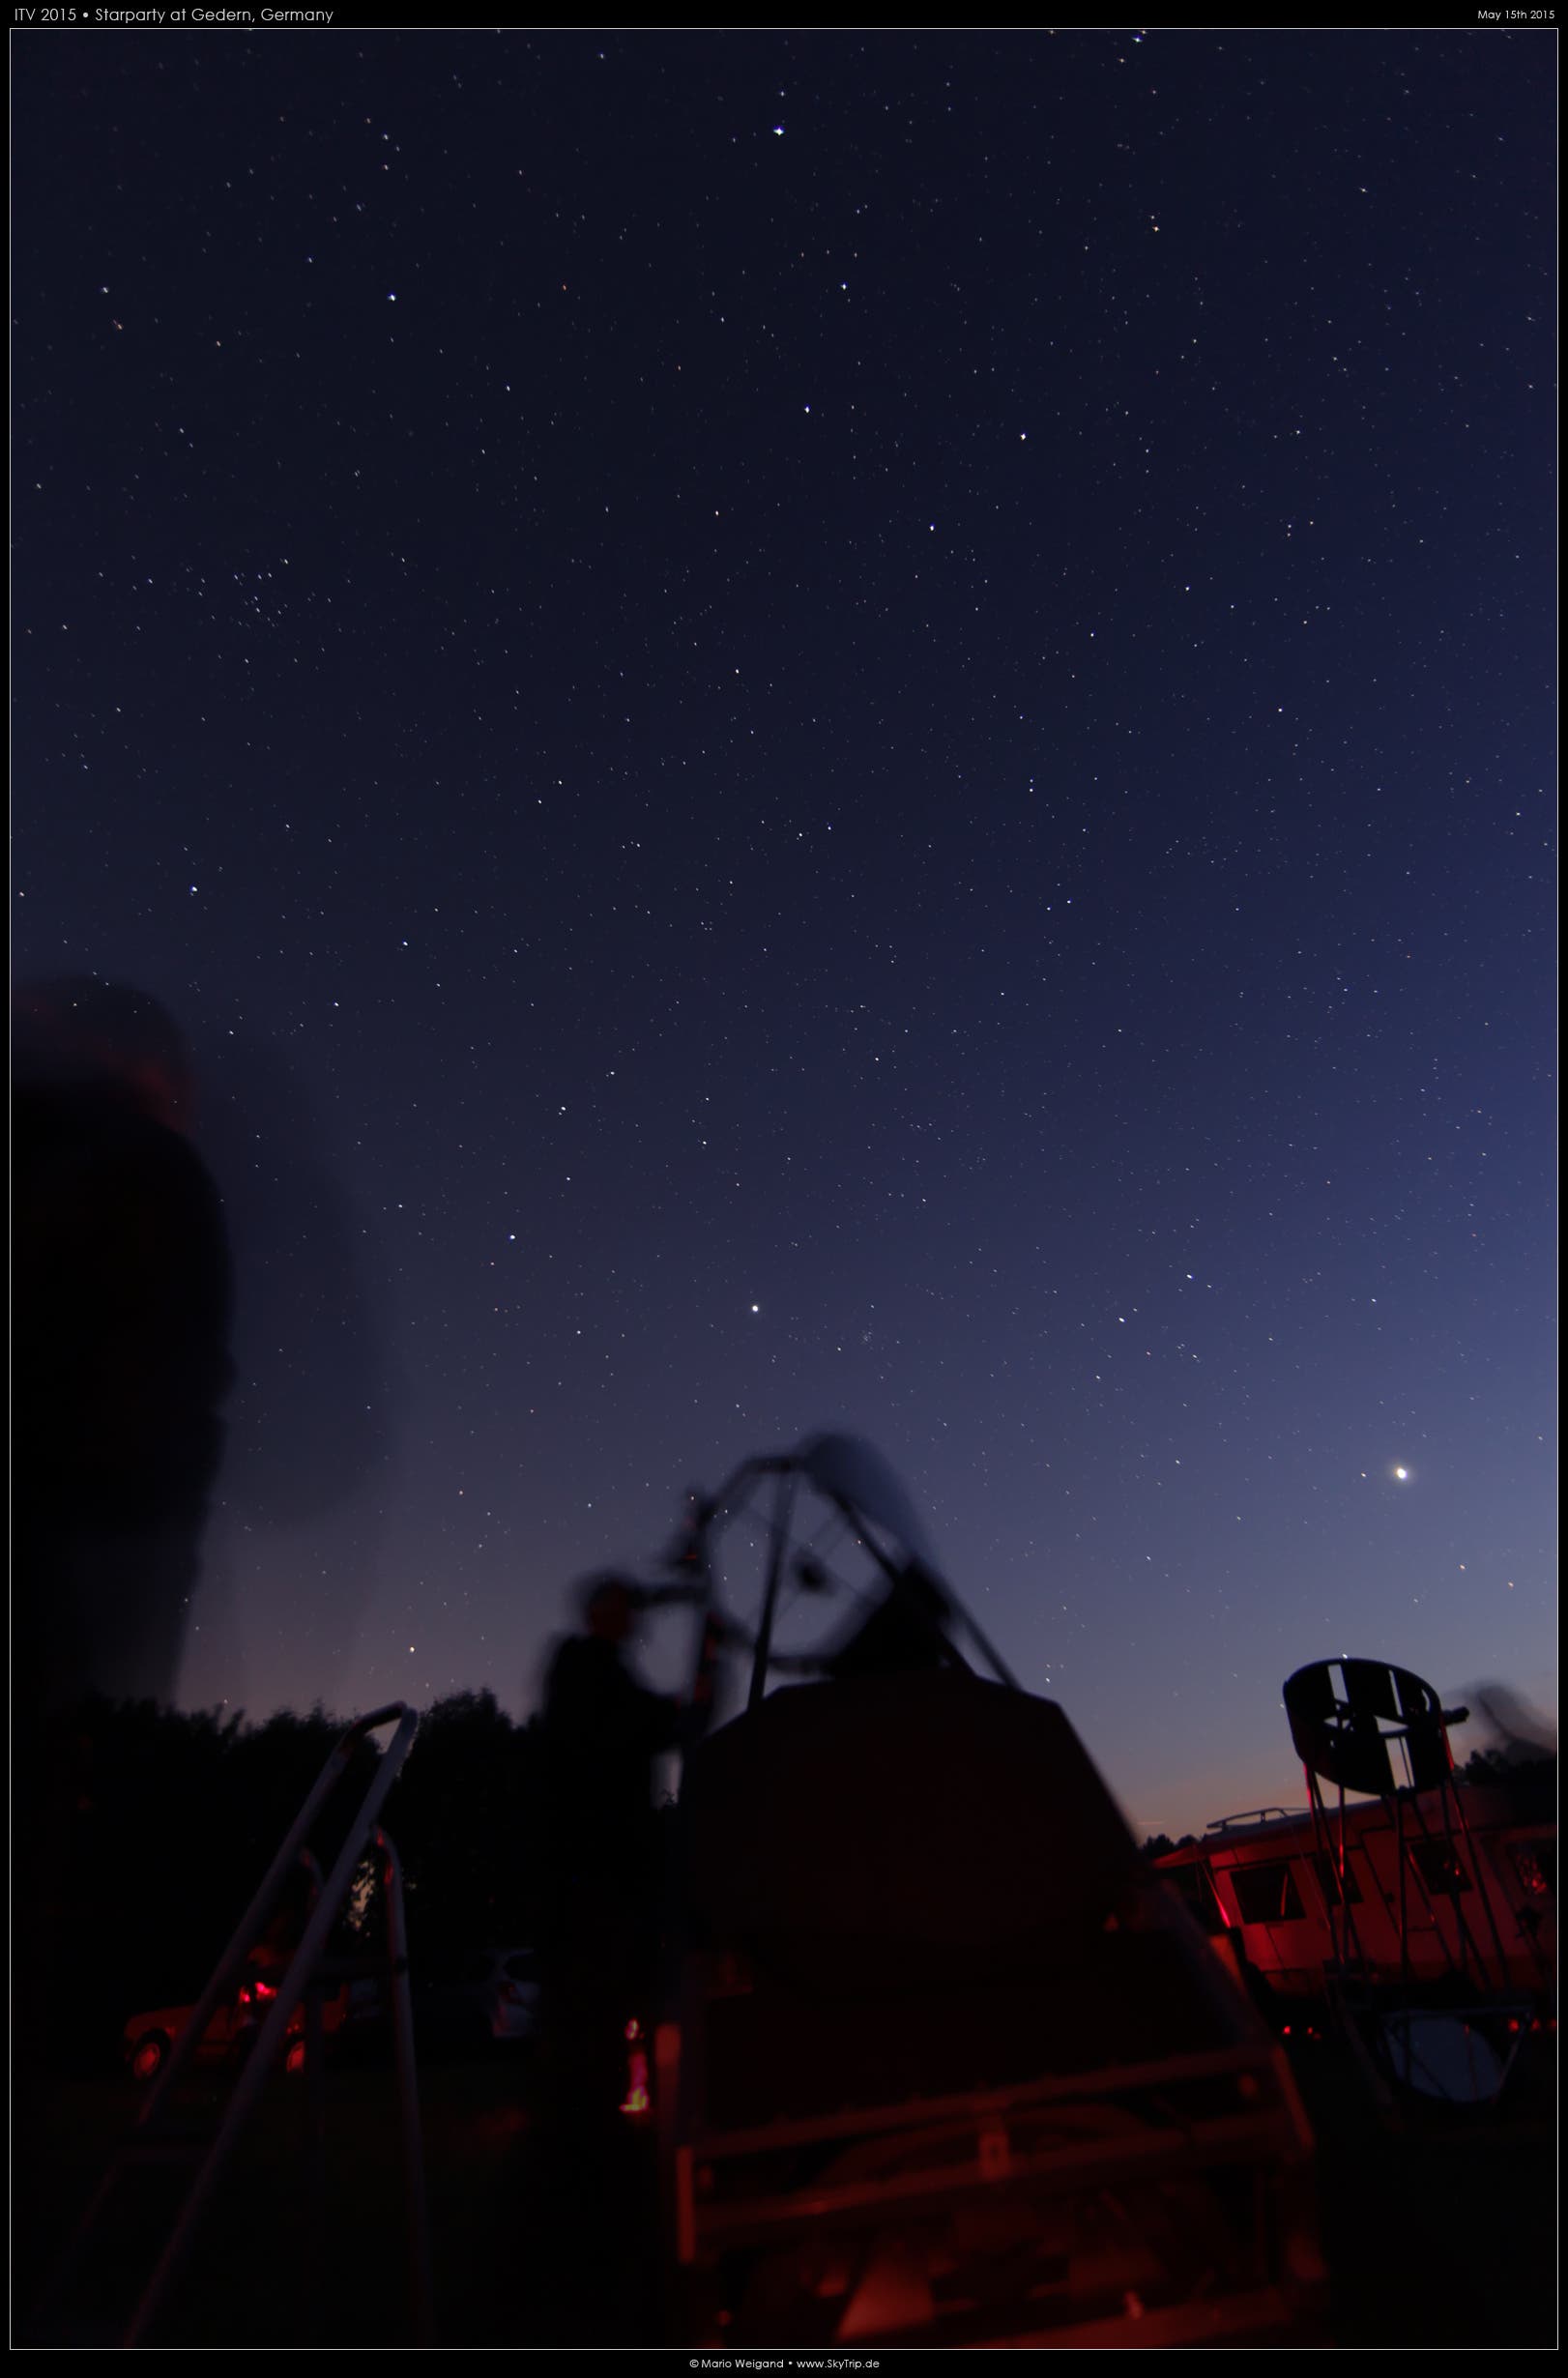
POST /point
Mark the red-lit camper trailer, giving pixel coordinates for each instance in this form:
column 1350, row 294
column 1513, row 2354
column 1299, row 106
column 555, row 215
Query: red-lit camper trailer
column 1270, row 1884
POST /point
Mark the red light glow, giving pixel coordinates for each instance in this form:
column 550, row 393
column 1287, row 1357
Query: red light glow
column 636, row 2100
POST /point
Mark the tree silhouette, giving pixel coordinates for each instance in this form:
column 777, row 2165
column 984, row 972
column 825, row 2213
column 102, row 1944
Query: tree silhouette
column 1528, row 1784
column 174, row 1819
column 1160, row 1845
column 464, row 1816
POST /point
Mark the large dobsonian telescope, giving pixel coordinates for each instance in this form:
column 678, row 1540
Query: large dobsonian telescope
column 942, row 2060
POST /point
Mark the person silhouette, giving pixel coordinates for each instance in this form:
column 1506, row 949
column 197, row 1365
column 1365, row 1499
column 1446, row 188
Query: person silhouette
column 601, row 1729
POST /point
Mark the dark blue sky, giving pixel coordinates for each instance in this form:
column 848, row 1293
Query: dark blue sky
column 827, row 728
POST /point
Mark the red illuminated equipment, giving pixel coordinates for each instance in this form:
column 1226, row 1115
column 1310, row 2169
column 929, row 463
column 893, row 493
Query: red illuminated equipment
column 637, row 2103
column 1414, row 1912
column 943, row 2063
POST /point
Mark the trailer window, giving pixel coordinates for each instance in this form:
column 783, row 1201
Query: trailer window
column 1438, row 1865
column 1266, row 1894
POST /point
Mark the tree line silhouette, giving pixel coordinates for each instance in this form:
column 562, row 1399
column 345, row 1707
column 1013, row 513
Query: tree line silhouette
column 175, row 1817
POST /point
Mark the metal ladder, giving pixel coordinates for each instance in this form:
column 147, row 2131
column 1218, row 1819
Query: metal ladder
column 154, row 2140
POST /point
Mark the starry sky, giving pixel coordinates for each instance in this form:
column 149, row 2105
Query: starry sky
column 825, row 729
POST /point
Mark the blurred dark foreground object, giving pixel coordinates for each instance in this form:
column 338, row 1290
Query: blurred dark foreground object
column 120, row 1365
column 120, row 1345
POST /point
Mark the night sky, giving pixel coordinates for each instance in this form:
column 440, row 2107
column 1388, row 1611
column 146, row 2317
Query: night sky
column 826, row 730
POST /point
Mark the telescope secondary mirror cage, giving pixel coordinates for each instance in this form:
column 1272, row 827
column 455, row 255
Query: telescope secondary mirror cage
column 853, row 1481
